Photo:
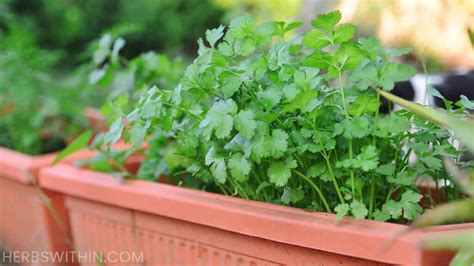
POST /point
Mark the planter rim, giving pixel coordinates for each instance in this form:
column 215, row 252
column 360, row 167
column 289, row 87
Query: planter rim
column 362, row 238
column 21, row 167
column 24, row 168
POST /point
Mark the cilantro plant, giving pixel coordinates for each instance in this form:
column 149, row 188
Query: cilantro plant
column 293, row 121
column 123, row 79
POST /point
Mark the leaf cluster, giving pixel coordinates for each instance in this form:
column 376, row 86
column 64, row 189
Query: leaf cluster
column 295, row 121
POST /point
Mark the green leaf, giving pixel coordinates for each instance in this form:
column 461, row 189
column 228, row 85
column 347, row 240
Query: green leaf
column 434, row 92
column 217, row 165
column 341, row 210
column 344, row 33
column 230, row 84
column 367, row 160
column 293, row 25
column 291, row 195
column 462, row 129
column 381, row 216
column 327, row 21
column 386, row 169
column 393, row 209
column 239, row 167
column 279, row 173
column 316, row 39
column 359, row 210
column 242, row 27
column 357, row 127
column 277, row 143
column 245, row 123
column 391, row 125
column 409, row 203
column 115, row 132
column 219, row 119
column 466, row 103
column 317, row 170
column 212, row 36
column 219, row 170
column 364, row 77
column 432, row 162
column 78, row 144
column 364, row 104
column 395, row 72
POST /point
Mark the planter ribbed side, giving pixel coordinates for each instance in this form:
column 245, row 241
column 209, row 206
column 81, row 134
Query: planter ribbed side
column 26, row 224
column 178, row 226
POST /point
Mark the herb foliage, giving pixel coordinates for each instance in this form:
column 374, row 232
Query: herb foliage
column 293, row 121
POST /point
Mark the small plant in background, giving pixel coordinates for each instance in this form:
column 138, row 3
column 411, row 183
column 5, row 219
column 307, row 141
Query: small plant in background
column 293, row 122
column 124, row 79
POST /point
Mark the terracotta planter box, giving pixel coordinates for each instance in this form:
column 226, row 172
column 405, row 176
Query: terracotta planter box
column 26, row 223
column 176, row 226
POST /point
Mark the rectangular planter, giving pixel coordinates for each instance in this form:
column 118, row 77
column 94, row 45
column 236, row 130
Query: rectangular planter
column 26, row 223
column 32, row 219
column 178, row 226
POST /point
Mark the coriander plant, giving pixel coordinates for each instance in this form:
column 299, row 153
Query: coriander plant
column 293, row 121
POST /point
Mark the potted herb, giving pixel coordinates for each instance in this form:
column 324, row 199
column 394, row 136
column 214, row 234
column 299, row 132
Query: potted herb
column 265, row 118
column 122, row 79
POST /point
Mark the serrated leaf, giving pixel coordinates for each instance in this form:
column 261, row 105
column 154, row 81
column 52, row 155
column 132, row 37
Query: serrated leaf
column 279, row 174
column 242, row 27
column 391, row 125
column 239, row 167
column 230, row 85
column 357, row 127
column 393, row 209
column 316, row 39
column 327, row 21
column 386, row 169
column 381, row 216
column 344, row 33
column 358, row 209
column 219, row 119
column 317, row 170
column 364, row 104
column 277, row 143
column 291, row 195
column 212, row 36
column 341, row 210
column 409, row 203
column 245, row 123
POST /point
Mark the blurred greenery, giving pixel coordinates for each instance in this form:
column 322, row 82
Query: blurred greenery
column 169, row 26
column 47, row 77
column 36, row 111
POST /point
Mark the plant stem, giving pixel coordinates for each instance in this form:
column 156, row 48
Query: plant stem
column 331, row 173
column 316, row 188
column 341, row 88
column 334, row 181
column 183, row 109
column 372, row 178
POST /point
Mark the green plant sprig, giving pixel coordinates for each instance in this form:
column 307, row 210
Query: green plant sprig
column 295, row 122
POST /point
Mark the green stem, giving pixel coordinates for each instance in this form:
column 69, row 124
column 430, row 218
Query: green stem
column 183, row 109
column 333, row 177
column 372, row 199
column 334, row 181
column 316, row 188
column 343, row 98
